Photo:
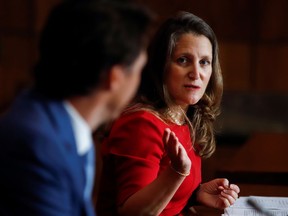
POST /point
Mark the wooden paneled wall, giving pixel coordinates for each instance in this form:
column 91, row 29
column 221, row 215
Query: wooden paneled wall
column 20, row 24
column 253, row 38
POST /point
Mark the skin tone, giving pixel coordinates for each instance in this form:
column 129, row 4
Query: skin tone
column 123, row 84
column 141, row 202
column 187, row 77
column 189, row 69
column 107, row 101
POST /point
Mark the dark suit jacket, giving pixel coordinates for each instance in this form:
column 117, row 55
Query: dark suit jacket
column 40, row 170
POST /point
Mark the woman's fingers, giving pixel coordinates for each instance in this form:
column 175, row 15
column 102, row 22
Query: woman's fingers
column 235, row 188
column 228, row 196
column 166, row 136
column 229, row 193
column 172, row 145
column 176, row 152
column 225, row 202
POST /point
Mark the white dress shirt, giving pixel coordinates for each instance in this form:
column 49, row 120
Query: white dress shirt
column 81, row 129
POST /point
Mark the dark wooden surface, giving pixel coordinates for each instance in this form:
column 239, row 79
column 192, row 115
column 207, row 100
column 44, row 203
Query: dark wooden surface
column 262, row 160
column 259, row 167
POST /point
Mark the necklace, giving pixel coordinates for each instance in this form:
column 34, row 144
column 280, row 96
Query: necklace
column 176, row 117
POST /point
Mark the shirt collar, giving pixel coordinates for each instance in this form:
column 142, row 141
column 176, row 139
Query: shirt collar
column 81, row 129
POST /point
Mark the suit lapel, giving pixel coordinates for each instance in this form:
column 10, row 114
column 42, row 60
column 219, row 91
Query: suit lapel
column 64, row 129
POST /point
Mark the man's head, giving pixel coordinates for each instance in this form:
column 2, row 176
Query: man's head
column 82, row 41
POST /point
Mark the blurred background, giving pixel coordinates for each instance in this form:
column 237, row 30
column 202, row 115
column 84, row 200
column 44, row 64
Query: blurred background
column 253, row 39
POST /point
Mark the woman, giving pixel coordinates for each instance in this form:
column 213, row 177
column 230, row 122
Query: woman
column 152, row 157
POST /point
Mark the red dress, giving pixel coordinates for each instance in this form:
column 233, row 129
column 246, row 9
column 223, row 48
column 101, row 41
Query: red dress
column 134, row 155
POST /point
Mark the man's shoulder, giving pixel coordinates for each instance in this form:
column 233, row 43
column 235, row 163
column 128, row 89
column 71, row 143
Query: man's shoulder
column 32, row 127
column 31, row 116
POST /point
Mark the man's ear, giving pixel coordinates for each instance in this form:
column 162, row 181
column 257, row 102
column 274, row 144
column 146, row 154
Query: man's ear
column 115, row 77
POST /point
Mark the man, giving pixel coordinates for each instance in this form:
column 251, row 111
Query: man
column 91, row 57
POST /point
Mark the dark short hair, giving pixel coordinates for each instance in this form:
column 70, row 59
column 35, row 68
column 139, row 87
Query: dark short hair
column 82, row 40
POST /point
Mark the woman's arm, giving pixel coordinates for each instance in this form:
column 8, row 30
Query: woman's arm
column 153, row 198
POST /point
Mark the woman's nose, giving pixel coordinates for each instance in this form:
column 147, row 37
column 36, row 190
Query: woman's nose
column 194, row 73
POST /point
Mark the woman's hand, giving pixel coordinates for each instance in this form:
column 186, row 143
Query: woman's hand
column 218, row 193
column 155, row 196
column 180, row 161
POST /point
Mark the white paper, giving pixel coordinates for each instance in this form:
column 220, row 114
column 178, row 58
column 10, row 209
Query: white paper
column 276, row 206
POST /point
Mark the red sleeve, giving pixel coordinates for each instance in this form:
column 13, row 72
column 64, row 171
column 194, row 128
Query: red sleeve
column 136, row 144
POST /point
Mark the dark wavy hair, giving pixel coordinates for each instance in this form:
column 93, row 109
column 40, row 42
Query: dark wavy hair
column 83, row 39
column 202, row 115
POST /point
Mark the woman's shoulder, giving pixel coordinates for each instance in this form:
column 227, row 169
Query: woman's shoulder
column 137, row 123
column 141, row 114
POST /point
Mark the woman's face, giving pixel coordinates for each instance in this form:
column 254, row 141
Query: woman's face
column 189, row 69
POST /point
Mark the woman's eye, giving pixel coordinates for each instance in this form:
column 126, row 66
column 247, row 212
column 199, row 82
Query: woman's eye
column 182, row 60
column 205, row 62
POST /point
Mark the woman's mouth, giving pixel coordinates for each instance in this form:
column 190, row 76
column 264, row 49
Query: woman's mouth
column 190, row 86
